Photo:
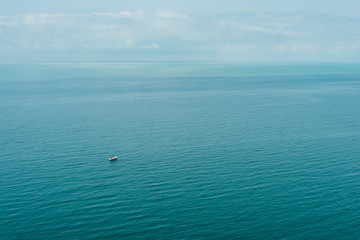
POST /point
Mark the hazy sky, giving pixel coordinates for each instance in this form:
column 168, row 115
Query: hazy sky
column 227, row 30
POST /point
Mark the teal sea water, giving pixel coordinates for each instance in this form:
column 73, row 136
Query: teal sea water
column 206, row 151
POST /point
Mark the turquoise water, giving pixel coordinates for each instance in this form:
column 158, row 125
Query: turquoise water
column 206, row 151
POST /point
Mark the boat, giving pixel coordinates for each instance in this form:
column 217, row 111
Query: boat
column 112, row 158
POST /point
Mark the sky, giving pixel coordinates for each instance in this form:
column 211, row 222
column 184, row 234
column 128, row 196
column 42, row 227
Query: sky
column 180, row 30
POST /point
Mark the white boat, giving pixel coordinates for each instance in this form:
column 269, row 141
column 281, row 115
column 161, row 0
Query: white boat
column 112, row 158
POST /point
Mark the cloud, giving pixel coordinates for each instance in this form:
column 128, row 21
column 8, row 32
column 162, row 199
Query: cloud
column 295, row 47
column 6, row 21
column 41, row 19
column 124, row 14
column 151, row 46
column 169, row 14
column 236, row 35
column 341, row 47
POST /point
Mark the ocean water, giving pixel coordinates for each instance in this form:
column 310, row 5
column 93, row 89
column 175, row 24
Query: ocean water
column 206, row 151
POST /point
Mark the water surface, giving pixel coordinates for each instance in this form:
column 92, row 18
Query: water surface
column 206, row 151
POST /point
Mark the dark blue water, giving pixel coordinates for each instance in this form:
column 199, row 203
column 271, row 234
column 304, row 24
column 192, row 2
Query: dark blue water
column 206, row 151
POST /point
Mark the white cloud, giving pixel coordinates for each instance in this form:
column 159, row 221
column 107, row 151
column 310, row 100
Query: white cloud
column 56, row 44
column 340, row 47
column 104, row 27
column 169, row 14
column 129, row 42
column 151, row 46
column 124, row 14
column 245, row 34
column 296, row 47
column 42, row 18
column 7, row 22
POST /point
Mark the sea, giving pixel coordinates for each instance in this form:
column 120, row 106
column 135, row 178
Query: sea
column 206, row 150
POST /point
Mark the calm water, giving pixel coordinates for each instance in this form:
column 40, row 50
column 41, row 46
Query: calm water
column 206, row 151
